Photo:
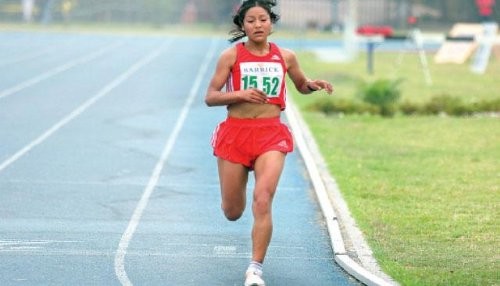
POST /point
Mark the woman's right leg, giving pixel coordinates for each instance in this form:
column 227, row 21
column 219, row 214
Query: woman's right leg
column 233, row 179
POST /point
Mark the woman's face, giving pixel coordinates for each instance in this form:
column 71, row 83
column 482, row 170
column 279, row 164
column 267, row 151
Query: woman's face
column 257, row 24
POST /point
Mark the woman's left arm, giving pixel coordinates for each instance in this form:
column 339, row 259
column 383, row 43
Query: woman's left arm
column 303, row 84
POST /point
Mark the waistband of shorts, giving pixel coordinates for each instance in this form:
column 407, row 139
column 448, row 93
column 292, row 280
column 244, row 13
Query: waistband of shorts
column 253, row 121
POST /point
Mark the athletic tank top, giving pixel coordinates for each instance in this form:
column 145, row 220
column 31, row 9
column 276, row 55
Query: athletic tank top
column 266, row 73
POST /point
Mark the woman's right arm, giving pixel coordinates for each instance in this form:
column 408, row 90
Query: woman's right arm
column 216, row 97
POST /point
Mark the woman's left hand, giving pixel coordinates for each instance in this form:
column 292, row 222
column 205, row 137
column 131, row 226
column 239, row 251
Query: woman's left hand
column 315, row 85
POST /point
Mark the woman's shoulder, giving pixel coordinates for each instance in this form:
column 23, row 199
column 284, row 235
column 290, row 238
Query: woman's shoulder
column 229, row 54
column 284, row 51
column 287, row 54
column 229, row 51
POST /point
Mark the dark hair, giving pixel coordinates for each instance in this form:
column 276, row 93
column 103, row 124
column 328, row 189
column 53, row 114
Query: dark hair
column 238, row 33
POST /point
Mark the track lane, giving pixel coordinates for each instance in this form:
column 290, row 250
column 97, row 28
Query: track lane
column 66, row 205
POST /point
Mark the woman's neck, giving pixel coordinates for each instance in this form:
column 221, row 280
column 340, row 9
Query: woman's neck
column 258, row 48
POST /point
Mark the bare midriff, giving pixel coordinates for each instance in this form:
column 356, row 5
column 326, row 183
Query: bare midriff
column 253, row 110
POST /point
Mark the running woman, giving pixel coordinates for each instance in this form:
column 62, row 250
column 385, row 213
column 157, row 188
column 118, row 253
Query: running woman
column 252, row 138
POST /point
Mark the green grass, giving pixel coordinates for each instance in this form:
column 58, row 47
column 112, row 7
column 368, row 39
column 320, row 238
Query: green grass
column 452, row 80
column 424, row 190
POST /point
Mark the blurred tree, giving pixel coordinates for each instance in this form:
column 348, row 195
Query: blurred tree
column 454, row 10
column 160, row 12
column 217, row 11
column 444, row 12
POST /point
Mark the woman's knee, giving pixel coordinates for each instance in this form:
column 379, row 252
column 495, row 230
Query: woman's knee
column 262, row 203
column 232, row 213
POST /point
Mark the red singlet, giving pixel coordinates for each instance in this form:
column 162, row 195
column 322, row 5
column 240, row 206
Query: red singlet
column 266, row 73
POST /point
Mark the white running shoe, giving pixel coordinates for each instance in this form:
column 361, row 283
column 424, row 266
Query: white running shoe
column 254, row 278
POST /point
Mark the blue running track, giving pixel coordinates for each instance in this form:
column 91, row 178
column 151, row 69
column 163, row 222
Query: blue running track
column 107, row 176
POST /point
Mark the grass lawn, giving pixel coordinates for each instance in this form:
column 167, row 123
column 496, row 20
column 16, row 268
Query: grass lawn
column 424, row 190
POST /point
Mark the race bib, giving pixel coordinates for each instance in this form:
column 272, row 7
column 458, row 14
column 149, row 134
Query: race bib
column 266, row 76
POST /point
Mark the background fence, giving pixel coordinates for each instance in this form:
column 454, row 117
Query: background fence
column 318, row 14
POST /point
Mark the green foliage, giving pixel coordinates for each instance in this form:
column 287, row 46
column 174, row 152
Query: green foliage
column 410, row 108
column 438, row 105
column 382, row 93
column 446, row 104
column 329, row 105
column 492, row 105
column 160, row 12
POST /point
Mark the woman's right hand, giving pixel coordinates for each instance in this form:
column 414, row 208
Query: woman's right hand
column 253, row 95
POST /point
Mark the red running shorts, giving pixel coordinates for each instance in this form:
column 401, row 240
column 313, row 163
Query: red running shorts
column 242, row 140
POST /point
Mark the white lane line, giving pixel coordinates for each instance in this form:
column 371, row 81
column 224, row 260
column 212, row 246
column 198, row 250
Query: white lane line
column 153, row 180
column 27, row 57
column 83, row 107
column 24, row 245
column 36, row 52
column 59, row 69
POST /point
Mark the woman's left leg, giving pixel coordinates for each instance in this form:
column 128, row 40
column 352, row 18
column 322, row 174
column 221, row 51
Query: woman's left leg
column 267, row 169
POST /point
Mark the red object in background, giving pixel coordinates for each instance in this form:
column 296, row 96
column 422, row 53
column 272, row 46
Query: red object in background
column 485, row 7
column 412, row 20
column 372, row 30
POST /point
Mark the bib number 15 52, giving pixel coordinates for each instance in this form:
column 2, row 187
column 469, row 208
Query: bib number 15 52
column 269, row 85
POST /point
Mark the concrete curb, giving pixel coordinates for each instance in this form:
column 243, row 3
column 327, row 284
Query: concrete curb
column 329, row 196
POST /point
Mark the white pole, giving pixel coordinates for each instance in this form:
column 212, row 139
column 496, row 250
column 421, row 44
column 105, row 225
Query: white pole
column 350, row 25
column 27, row 10
column 483, row 52
column 419, row 42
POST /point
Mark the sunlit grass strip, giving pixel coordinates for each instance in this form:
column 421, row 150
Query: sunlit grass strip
column 425, row 190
